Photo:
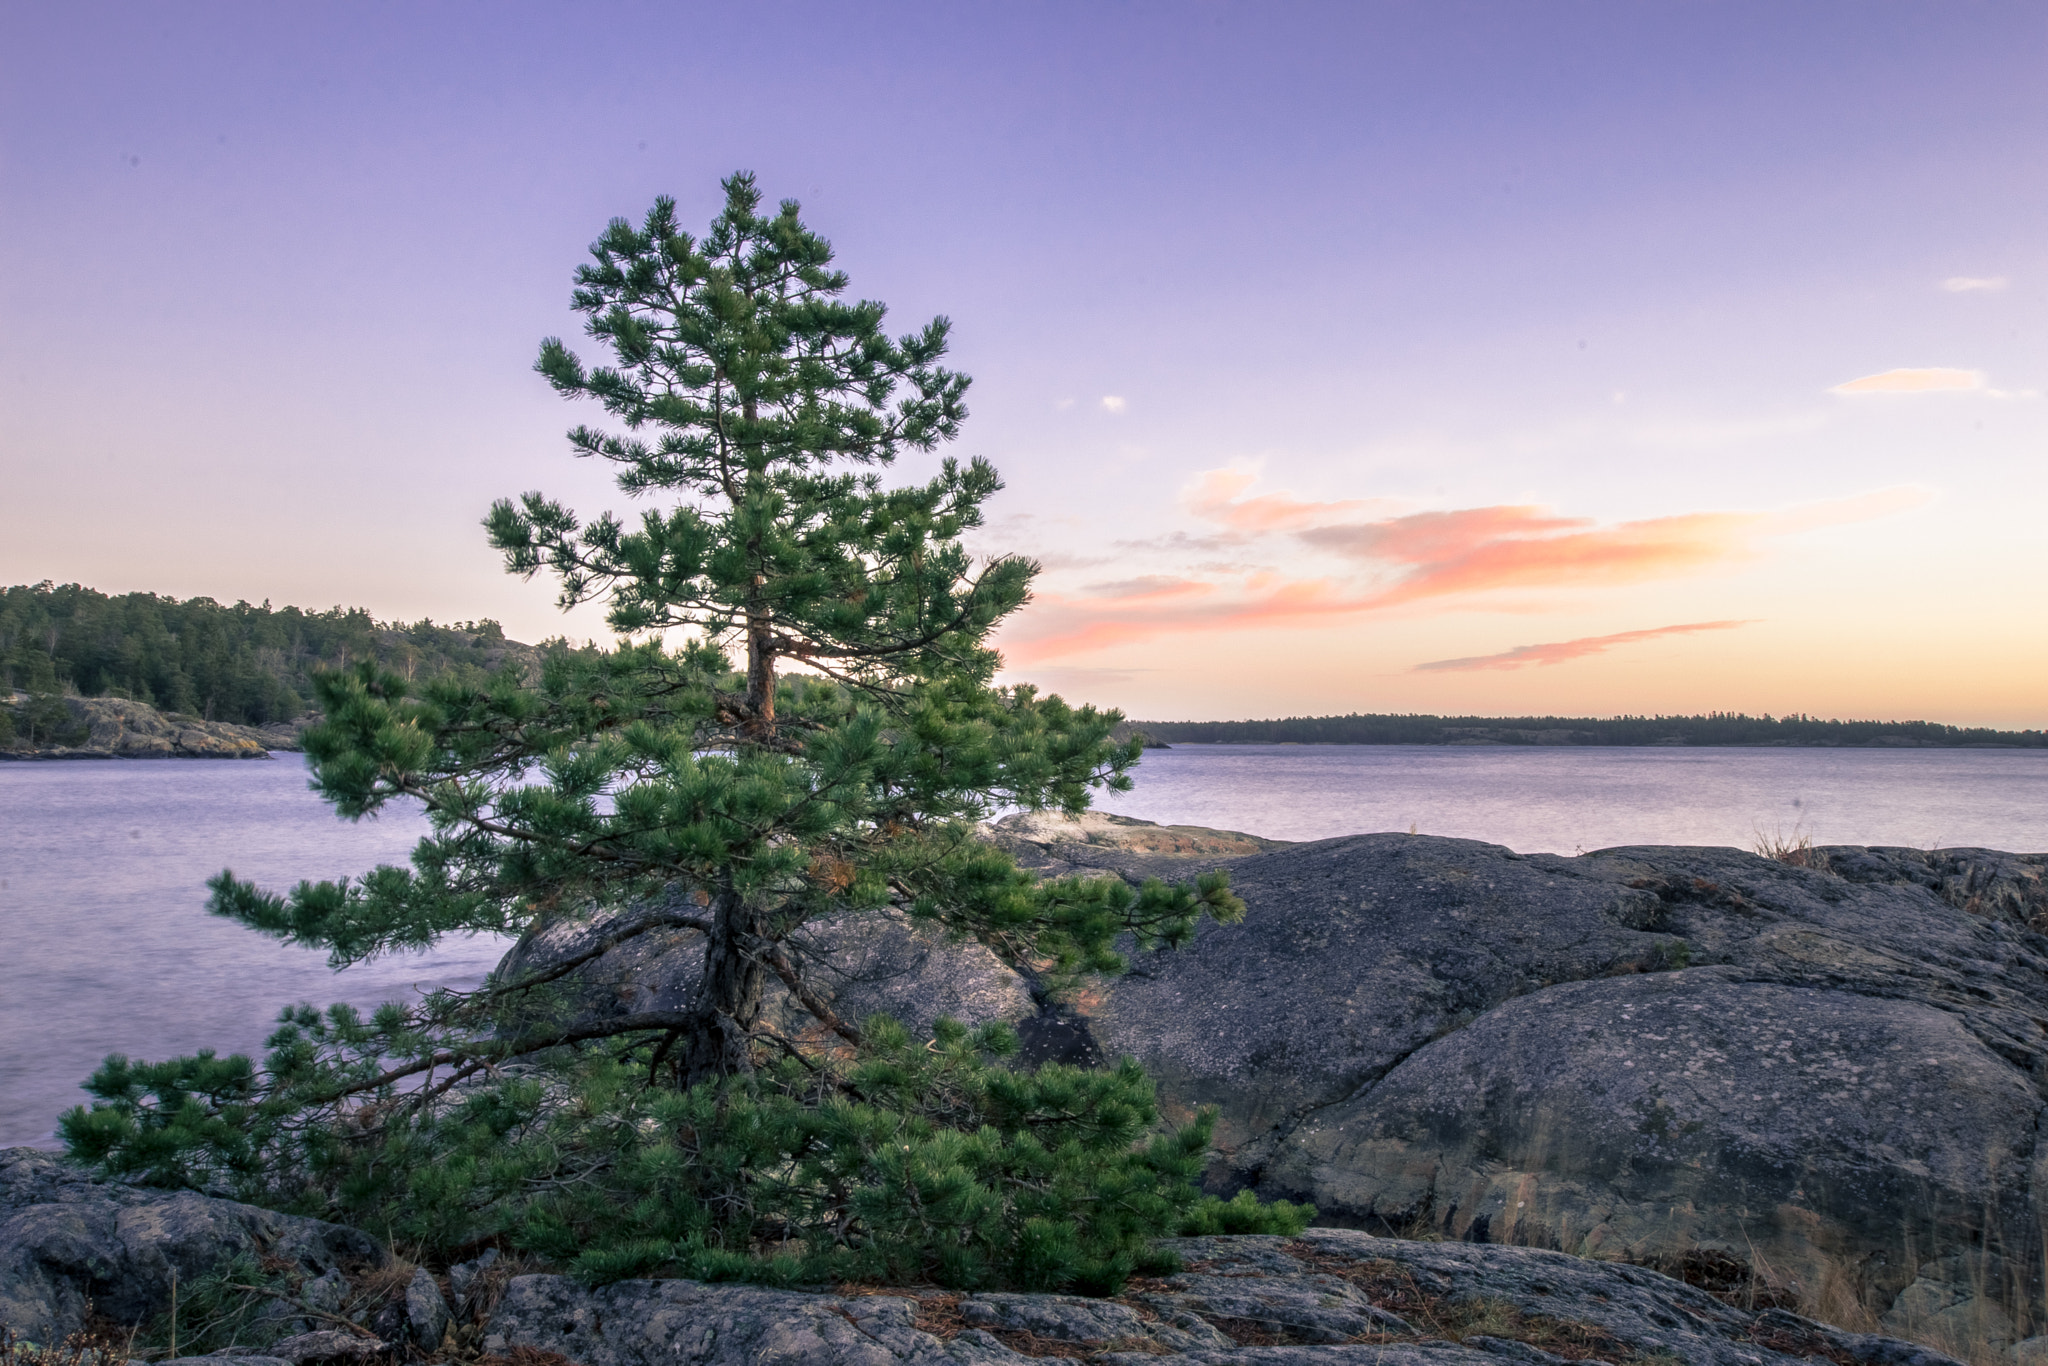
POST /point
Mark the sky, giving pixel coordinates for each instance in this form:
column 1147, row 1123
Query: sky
column 1486, row 358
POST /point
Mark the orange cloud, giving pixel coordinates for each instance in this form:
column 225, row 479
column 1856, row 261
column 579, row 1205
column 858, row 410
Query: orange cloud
column 1860, row 507
column 1563, row 650
column 1066, row 630
column 1214, row 498
column 1932, row 380
column 1487, row 548
column 1475, row 550
column 1461, row 553
column 1424, row 537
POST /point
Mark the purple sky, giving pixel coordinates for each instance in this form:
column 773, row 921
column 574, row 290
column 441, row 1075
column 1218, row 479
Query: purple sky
column 1459, row 353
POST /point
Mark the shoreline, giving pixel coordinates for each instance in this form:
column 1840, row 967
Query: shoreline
column 61, row 755
column 268, row 745
column 118, row 728
column 1510, row 744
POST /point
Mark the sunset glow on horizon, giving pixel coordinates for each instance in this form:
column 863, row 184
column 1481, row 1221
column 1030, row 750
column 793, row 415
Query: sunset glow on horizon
column 1484, row 359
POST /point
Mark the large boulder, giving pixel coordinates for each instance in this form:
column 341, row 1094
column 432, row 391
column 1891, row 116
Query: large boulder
column 876, row 961
column 69, row 1243
column 1831, row 1074
column 1107, row 830
column 1332, row 1295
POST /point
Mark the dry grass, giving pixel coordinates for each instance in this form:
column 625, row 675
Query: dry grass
column 1734, row 1282
column 1795, row 850
column 938, row 1313
column 80, row 1349
column 1391, row 1286
column 1836, row 1298
column 380, row 1285
column 488, row 1287
column 524, row 1356
column 1026, row 1343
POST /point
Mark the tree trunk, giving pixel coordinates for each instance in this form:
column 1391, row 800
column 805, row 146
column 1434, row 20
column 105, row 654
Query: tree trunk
column 760, row 725
column 728, row 1000
column 760, row 676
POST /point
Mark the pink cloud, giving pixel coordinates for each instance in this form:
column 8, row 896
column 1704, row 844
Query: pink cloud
column 1560, row 651
column 1479, row 549
column 1425, row 537
column 1930, row 380
column 1150, row 588
column 1067, row 630
column 1461, row 553
column 1214, row 498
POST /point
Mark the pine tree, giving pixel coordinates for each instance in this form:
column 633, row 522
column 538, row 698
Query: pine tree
column 806, row 726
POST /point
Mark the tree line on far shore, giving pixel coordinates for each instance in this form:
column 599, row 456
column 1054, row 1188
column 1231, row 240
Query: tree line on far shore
column 250, row 665
column 1715, row 728
column 254, row 665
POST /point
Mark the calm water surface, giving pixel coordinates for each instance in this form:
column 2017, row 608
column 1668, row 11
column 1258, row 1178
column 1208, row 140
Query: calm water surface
column 1565, row 800
column 105, row 945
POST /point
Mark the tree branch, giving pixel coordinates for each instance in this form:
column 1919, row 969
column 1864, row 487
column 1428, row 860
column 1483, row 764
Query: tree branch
column 568, row 965
column 775, row 958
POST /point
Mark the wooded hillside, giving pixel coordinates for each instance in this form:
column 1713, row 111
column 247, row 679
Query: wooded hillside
column 251, row 665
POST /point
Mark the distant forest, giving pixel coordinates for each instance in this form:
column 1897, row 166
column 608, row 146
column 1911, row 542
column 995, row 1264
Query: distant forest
column 253, row 665
column 1715, row 728
column 243, row 664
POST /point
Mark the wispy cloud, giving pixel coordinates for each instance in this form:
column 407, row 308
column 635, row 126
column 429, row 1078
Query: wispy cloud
column 1059, row 559
column 1932, row 380
column 1178, row 543
column 1146, row 589
column 1071, row 678
column 1113, row 403
column 1214, row 496
column 1970, row 284
column 1480, row 549
column 1059, row 626
column 1558, row 652
column 1461, row 554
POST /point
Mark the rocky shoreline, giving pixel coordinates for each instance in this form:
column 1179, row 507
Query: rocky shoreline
column 85, row 1259
column 1518, row 1089
column 116, row 728
column 1818, row 1083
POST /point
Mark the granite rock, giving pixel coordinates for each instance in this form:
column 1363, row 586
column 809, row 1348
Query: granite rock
column 426, row 1312
column 326, row 1345
column 116, row 728
column 67, row 1240
column 1826, row 1072
column 1834, row 1078
column 1331, row 1296
column 877, row 961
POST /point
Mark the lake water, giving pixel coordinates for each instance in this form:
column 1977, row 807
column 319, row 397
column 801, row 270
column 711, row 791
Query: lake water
column 105, row 945
column 1563, row 800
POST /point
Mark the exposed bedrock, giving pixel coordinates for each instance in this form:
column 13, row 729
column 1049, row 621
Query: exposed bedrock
column 1333, row 1296
column 1831, row 1075
column 117, row 728
column 69, row 1243
column 884, row 961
